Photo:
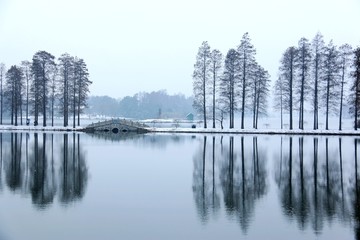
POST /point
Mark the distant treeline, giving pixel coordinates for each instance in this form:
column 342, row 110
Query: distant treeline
column 44, row 87
column 142, row 105
column 322, row 76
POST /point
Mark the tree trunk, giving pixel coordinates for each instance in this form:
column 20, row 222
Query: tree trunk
column 15, row 111
column 21, row 112
column 79, row 101
column 243, row 94
column 221, row 119
column 214, row 93
column 301, row 113
column 257, row 109
column 36, row 108
column 204, row 107
column 1, row 99
column 74, row 107
column 357, row 86
column 341, row 96
column 233, row 102
column 254, row 105
column 327, row 102
column 291, row 88
column 44, row 95
column 52, row 110
column 281, row 107
column 27, row 98
column 204, row 92
column 356, row 104
column 316, row 109
column 66, row 92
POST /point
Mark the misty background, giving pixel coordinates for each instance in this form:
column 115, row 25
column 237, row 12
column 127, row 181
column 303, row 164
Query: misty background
column 146, row 46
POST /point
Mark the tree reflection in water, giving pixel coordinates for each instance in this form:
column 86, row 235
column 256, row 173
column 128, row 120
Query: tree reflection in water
column 315, row 178
column 240, row 173
column 33, row 167
column 1, row 161
column 13, row 166
column 73, row 170
column 356, row 192
column 205, row 186
column 313, row 192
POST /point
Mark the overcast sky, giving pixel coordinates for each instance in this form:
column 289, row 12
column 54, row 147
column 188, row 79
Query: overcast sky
column 141, row 45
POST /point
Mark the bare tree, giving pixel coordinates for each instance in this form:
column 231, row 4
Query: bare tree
column 2, row 78
column 247, row 63
column 228, row 84
column 330, row 80
column 41, row 66
column 82, row 84
column 303, row 62
column 53, row 89
column 26, row 68
column 345, row 60
column 287, row 73
column 279, row 98
column 260, row 93
column 66, row 72
column 354, row 97
column 14, row 85
column 318, row 53
column 215, row 68
column 201, row 79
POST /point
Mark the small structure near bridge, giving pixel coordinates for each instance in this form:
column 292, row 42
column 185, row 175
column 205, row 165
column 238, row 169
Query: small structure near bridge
column 117, row 126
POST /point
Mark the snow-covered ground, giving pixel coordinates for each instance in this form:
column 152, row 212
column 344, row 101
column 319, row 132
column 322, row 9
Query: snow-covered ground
column 265, row 126
column 264, row 123
column 254, row 131
column 270, row 125
column 37, row 128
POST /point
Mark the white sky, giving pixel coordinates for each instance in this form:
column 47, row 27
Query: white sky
column 142, row 45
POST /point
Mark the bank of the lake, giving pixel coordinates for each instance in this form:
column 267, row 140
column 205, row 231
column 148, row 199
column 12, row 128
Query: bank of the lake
column 39, row 128
column 179, row 130
column 256, row 131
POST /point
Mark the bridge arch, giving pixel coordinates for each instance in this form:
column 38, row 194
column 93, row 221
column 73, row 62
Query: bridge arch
column 117, row 126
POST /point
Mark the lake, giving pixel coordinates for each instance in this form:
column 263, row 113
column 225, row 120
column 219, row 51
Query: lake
column 164, row 186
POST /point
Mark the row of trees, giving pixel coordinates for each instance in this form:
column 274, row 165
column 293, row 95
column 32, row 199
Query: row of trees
column 318, row 74
column 43, row 86
column 236, row 83
column 312, row 75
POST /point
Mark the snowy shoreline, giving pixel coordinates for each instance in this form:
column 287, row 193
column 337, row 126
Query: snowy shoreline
column 255, row 131
column 39, row 128
column 194, row 130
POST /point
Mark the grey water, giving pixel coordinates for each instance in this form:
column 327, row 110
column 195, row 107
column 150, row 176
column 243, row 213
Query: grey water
column 165, row 186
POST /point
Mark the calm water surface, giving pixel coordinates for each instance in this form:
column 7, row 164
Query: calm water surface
column 163, row 186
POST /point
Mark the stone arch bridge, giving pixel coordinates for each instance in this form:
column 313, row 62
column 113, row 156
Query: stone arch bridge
column 117, row 126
